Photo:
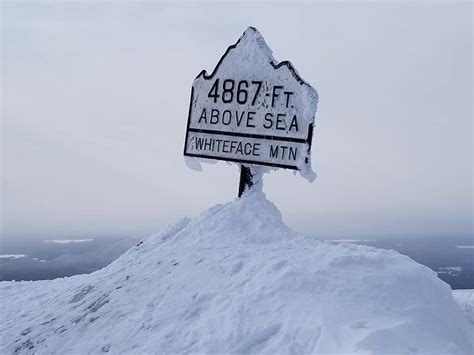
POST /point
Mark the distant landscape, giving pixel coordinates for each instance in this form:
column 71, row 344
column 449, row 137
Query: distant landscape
column 452, row 258
column 27, row 259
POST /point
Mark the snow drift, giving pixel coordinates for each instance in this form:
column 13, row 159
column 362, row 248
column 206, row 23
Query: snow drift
column 238, row 280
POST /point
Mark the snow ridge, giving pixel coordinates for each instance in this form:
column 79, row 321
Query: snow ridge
column 236, row 279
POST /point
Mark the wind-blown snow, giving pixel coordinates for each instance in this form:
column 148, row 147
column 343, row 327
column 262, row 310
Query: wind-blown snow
column 237, row 280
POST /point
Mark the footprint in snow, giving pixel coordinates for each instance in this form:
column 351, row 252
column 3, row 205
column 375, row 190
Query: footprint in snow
column 81, row 294
column 280, row 265
column 106, row 348
column 26, row 331
column 359, row 324
column 237, row 268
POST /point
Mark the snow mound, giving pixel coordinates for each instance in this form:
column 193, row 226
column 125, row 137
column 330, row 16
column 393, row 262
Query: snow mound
column 238, row 280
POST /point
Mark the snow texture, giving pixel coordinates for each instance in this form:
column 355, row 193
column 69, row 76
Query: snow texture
column 236, row 279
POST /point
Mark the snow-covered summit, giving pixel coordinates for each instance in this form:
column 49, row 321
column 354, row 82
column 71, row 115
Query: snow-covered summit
column 236, row 279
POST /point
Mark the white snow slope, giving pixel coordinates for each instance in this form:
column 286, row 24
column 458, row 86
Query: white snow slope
column 238, row 280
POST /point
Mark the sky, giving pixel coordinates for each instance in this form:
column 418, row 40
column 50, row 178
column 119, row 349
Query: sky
column 95, row 95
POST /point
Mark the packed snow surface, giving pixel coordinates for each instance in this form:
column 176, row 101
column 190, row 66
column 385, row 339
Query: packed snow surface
column 237, row 280
column 465, row 300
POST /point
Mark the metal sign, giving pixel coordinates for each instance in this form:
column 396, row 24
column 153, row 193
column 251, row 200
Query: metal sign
column 252, row 110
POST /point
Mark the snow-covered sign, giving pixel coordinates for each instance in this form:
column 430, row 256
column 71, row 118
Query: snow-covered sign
column 252, row 110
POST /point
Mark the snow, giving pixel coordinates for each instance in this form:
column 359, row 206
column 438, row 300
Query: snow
column 349, row 240
column 193, row 163
column 67, row 241
column 252, row 59
column 465, row 300
column 450, row 268
column 237, row 279
column 12, row 256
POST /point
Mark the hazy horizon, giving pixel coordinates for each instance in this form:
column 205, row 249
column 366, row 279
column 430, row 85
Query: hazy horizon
column 95, row 99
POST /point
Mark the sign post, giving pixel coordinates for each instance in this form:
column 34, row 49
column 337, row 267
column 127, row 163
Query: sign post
column 246, row 179
column 253, row 111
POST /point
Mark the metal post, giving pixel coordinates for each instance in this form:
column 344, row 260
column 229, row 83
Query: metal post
column 246, row 179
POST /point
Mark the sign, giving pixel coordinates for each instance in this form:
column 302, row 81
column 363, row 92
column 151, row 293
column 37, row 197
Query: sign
column 252, row 110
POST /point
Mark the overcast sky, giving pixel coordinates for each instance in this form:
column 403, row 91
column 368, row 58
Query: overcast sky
column 95, row 99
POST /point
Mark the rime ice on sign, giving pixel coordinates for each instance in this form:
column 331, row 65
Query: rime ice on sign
column 252, row 110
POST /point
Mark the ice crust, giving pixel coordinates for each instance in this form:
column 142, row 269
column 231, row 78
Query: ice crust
column 237, row 279
column 252, row 56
